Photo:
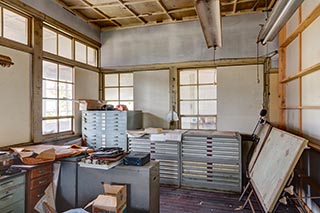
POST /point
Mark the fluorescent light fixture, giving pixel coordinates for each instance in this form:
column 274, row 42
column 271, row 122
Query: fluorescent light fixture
column 210, row 19
column 281, row 12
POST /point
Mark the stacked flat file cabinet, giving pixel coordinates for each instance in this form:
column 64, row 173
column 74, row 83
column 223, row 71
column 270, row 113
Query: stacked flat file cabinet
column 108, row 128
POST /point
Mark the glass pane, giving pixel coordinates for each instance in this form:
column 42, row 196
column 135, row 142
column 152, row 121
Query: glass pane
column 15, row 27
column 64, row 46
column 207, row 123
column 49, row 41
column 50, row 89
column 188, row 108
column 49, row 108
column 111, row 93
column 126, row 93
column 111, row 80
column 65, row 73
column 49, row 126
column 129, row 104
column 188, row 92
column 188, row 77
column 208, row 92
column 126, row 79
column 65, row 108
column 207, row 107
column 50, row 70
column 207, row 76
column 92, row 56
column 80, row 52
column 65, row 91
column 114, row 103
column 189, row 123
column 65, row 124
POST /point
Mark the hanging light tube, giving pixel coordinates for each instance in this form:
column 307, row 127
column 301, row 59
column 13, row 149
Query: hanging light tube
column 280, row 14
column 210, row 19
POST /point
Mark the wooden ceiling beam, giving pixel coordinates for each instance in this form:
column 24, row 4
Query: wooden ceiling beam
column 180, row 10
column 125, row 17
column 111, row 4
column 271, row 4
column 132, row 12
column 160, row 3
column 235, row 6
column 101, row 13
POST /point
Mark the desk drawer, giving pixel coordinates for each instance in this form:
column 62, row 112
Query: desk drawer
column 34, row 196
column 10, row 182
column 10, row 196
column 40, row 181
column 41, row 170
column 17, row 207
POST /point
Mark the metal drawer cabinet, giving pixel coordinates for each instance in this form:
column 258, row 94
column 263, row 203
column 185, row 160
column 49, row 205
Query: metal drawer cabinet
column 12, row 193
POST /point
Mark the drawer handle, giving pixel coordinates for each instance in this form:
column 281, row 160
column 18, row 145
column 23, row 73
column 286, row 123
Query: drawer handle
column 42, row 181
column 7, row 183
column 42, row 171
column 6, row 197
column 40, row 195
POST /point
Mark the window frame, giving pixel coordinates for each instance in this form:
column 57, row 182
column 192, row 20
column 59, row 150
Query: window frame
column 197, row 99
column 72, row 117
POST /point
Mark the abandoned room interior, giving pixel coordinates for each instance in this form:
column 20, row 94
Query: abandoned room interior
column 159, row 106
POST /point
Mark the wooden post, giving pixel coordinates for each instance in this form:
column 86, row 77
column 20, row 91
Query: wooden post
column 282, row 75
column 37, row 81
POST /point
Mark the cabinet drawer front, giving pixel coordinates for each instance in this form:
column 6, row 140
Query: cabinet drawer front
column 40, row 181
column 11, row 182
column 17, row 207
column 12, row 195
column 41, row 170
column 34, row 196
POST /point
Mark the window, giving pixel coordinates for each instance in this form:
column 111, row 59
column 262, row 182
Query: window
column 85, row 54
column 15, row 26
column 198, row 98
column 119, row 89
column 57, row 101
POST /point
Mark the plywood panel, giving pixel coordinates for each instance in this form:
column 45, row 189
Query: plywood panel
column 274, row 166
column 292, row 120
column 239, row 98
column 307, row 7
column 151, row 95
column 273, row 100
column 292, row 58
column 292, row 93
column 293, row 23
column 15, row 94
column 86, row 87
column 310, row 89
column 311, row 123
column 310, row 47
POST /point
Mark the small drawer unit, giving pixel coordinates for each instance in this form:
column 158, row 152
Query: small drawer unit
column 12, row 193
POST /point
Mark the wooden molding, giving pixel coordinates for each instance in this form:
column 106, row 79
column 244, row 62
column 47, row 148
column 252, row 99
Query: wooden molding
column 304, row 72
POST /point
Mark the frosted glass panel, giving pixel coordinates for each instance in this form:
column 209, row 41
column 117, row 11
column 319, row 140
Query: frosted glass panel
column 189, row 123
column 207, row 76
column 111, row 80
column 208, row 92
column 65, row 108
column 311, row 89
column 50, row 70
column 49, row 126
column 207, row 123
column 92, row 56
column 65, row 73
column 293, row 23
column 292, row 90
column 111, row 93
column 188, row 77
column 80, row 52
column 308, row 6
column 65, row 46
column 292, row 120
column 15, row 27
column 188, row 107
column 126, row 93
column 207, row 107
column 310, row 46
column 49, row 108
column 65, row 124
column 50, row 41
column 292, row 61
column 50, row 89
column 311, row 123
column 65, row 91
column 188, row 92
column 126, row 79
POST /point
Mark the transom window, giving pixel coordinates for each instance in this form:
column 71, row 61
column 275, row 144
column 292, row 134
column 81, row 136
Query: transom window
column 119, row 89
column 85, row 54
column 15, row 26
column 198, row 98
column 57, row 101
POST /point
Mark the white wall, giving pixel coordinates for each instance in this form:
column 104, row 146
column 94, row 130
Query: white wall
column 15, row 95
column 240, row 98
column 86, row 87
column 151, row 95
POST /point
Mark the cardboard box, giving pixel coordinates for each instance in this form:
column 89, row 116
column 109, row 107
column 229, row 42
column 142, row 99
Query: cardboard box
column 113, row 201
column 91, row 104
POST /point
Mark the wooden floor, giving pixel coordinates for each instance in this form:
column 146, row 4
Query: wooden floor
column 186, row 200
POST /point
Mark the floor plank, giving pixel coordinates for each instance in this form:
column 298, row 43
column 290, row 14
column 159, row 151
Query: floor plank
column 176, row 200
